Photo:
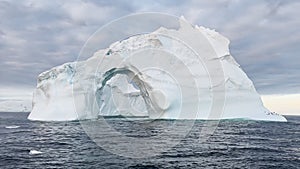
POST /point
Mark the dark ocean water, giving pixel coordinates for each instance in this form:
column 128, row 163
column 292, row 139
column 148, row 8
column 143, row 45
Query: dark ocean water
column 235, row 144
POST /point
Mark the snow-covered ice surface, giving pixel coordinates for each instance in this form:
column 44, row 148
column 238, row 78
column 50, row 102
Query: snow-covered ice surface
column 14, row 105
column 121, row 80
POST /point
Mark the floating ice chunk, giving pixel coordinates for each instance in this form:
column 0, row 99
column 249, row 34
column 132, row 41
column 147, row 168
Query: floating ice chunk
column 12, row 127
column 34, row 152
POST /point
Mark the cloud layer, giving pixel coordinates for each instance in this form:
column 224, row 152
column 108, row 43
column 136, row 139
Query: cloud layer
column 37, row 35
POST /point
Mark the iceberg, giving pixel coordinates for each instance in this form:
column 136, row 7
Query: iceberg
column 166, row 74
column 16, row 105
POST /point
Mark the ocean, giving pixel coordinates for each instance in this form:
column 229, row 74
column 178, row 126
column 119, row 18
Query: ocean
column 234, row 144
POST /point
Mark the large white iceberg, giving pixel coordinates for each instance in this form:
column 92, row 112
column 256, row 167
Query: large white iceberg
column 154, row 75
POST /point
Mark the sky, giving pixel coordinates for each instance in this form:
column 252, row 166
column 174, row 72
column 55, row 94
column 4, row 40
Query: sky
column 264, row 35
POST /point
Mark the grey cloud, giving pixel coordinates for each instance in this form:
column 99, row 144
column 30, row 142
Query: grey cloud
column 37, row 35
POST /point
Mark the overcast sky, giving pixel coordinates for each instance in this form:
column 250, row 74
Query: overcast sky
column 264, row 34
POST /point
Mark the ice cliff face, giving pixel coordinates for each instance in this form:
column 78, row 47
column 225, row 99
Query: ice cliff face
column 154, row 75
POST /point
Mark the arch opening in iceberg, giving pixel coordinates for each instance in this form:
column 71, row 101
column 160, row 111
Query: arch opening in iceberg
column 123, row 92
